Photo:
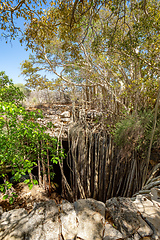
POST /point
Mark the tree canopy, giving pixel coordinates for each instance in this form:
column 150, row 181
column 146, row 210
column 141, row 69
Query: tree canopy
column 119, row 52
column 107, row 45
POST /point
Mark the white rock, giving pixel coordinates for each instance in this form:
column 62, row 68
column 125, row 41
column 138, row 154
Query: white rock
column 111, row 233
column 65, row 114
column 137, row 236
column 51, row 228
column 150, row 212
column 155, row 194
column 144, row 230
column 12, row 217
column 65, row 119
column 68, row 221
column 91, row 218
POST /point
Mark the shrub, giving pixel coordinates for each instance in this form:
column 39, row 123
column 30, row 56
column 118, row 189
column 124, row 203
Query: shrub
column 134, row 131
column 24, row 143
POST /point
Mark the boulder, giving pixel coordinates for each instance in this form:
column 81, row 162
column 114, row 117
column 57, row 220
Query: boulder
column 68, row 220
column 150, row 213
column 91, row 219
column 155, row 195
column 86, row 219
column 41, row 223
column 123, row 213
column 111, row 233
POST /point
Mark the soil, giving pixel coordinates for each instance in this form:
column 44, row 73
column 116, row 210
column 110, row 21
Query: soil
column 26, row 197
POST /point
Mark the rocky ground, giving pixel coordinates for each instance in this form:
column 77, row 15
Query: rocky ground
column 85, row 219
column 26, row 198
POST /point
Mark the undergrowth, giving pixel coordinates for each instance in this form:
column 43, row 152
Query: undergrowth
column 133, row 132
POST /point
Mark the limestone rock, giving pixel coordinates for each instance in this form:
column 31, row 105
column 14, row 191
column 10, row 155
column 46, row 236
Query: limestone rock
column 49, row 227
column 144, row 230
column 1, row 211
column 124, row 215
column 150, row 213
column 68, row 220
column 65, row 114
column 87, row 219
column 42, row 223
column 155, row 194
column 111, row 233
column 91, row 218
column 11, row 218
column 136, row 236
column 12, row 224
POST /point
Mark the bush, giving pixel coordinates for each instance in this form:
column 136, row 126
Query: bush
column 8, row 91
column 134, row 131
column 23, row 141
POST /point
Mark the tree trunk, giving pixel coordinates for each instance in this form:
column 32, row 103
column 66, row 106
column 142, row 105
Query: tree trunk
column 49, row 176
column 39, row 171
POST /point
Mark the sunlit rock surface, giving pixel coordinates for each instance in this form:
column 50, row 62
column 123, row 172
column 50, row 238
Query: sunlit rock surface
column 85, row 219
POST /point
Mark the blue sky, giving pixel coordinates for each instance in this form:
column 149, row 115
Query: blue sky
column 11, row 55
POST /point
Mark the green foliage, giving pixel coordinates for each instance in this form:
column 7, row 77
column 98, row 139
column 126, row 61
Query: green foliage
column 23, row 89
column 10, row 11
column 134, row 131
column 22, row 138
column 8, row 91
column 115, row 51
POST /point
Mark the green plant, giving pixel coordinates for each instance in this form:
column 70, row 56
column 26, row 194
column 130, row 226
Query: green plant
column 24, row 144
column 8, row 91
column 134, row 131
column 23, row 89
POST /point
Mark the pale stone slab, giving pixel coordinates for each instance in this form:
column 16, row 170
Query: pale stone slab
column 51, row 228
column 144, row 230
column 91, row 217
column 84, row 219
column 37, row 233
column 150, row 213
column 42, row 223
column 65, row 114
column 12, row 216
column 111, row 233
column 137, row 236
column 155, row 195
column 10, row 220
column 51, row 225
column 124, row 215
column 68, row 220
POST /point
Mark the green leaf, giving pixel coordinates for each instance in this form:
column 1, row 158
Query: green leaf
column 26, row 181
column 14, row 195
column 30, row 185
column 11, row 200
column 35, row 181
column 5, row 196
column 9, row 185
